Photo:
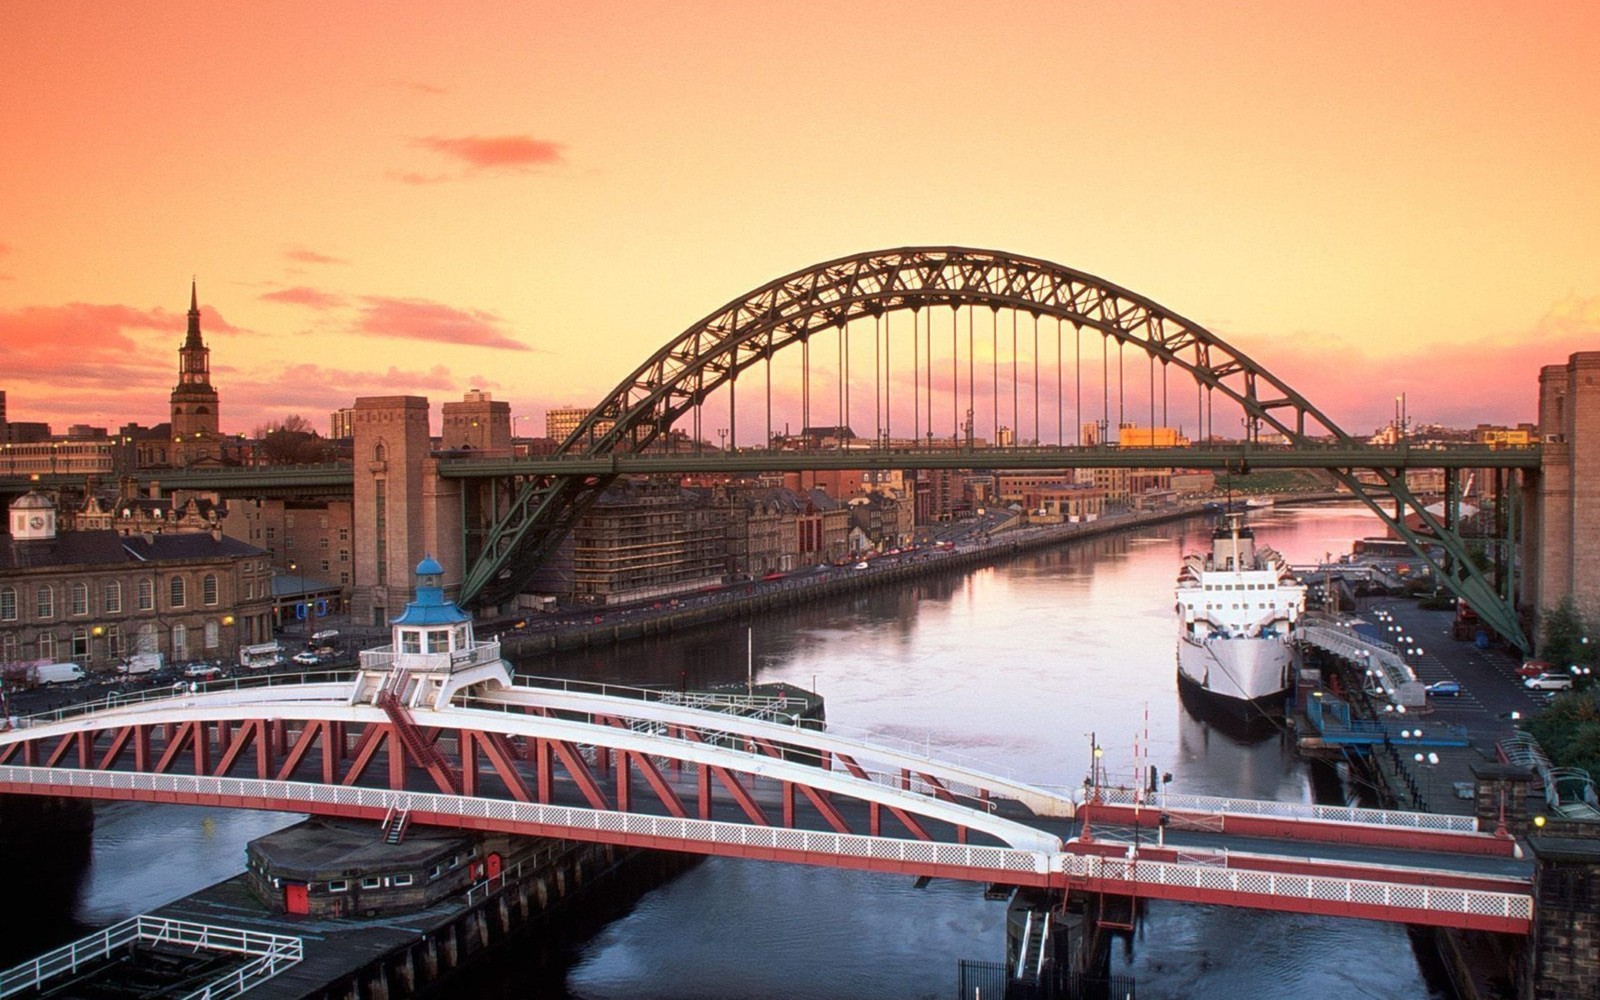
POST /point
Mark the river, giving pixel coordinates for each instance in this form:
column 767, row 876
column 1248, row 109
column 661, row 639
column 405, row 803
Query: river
column 1016, row 666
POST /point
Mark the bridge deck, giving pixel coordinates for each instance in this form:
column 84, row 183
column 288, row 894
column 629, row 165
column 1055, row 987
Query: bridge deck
column 645, row 773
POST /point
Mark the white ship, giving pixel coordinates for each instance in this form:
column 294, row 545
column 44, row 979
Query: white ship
column 1236, row 606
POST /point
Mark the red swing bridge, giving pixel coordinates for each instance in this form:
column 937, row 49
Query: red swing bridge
column 740, row 776
column 433, row 729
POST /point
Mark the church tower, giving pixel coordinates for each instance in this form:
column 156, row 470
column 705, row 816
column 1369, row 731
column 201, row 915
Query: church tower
column 195, row 420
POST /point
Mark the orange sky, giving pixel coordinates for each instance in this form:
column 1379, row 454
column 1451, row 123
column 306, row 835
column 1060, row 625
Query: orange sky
column 531, row 198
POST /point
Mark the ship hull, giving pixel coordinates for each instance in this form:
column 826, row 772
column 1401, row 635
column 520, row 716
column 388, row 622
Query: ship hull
column 1251, row 673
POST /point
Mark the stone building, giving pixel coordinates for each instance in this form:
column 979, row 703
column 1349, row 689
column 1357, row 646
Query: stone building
column 312, row 538
column 1560, row 544
column 93, row 597
column 646, row 541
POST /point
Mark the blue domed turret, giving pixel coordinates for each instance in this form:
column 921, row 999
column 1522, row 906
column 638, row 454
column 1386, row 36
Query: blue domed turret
column 429, row 607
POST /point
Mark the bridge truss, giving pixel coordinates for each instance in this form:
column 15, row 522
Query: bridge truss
column 644, row 771
column 795, row 312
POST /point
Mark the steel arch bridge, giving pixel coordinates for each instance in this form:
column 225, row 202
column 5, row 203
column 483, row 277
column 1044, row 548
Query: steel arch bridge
column 791, row 312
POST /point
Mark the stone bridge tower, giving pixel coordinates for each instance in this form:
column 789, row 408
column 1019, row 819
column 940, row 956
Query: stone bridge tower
column 1561, row 537
column 403, row 511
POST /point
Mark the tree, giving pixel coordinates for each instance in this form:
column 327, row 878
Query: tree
column 1566, row 639
column 292, row 442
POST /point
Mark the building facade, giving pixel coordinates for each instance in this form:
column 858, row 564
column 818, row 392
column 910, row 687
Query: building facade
column 95, row 597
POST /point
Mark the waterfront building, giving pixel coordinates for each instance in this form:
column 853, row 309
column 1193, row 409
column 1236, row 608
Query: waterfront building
column 646, row 541
column 95, row 596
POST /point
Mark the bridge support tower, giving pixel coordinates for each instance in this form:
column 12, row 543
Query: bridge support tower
column 1561, row 535
column 403, row 512
column 1564, row 946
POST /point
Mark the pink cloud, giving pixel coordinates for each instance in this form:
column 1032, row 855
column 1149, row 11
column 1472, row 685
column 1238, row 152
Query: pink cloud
column 304, row 256
column 412, row 177
column 496, row 152
column 302, row 296
column 418, row 319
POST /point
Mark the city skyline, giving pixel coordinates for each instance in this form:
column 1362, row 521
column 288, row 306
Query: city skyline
column 1368, row 201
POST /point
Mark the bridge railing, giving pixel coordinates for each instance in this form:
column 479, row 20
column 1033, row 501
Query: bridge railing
column 1218, row 805
column 272, row 953
column 664, row 830
column 1388, row 895
column 180, row 689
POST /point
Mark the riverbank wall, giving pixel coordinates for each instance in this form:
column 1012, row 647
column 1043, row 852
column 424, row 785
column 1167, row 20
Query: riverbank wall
column 749, row 599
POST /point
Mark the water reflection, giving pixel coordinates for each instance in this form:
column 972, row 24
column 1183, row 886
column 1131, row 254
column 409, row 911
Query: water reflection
column 1016, row 664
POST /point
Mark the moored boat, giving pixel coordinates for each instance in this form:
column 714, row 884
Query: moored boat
column 1236, row 606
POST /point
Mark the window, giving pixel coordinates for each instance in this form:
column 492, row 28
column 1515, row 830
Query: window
column 177, row 595
column 371, row 882
column 80, row 645
column 344, row 555
column 47, row 646
column 147, row 595
column 344, row 534
column 45, row 601
column 339, row 885
column 322, row 542
column 147, row 641
column 113, row 642
column 288, row 521
column 180, row 642
column 8, row 604
column 112, row 597
column 80, row 599
column 208, row 590
column 8, row 647
column 213, row 634
column 272, row 533
column 410, row 642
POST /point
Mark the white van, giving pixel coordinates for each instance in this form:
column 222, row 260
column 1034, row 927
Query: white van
column 140, row 663
column 58, row 673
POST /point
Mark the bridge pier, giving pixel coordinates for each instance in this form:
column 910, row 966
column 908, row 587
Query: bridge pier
column 1563, row 951
column 1559, row 537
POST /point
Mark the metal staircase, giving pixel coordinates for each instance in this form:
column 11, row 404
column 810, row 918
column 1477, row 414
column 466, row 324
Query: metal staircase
column 417, row 746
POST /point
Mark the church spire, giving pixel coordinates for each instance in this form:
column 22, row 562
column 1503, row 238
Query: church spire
column 193, row 339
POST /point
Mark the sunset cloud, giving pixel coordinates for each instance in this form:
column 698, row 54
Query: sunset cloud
column 303, row 256
column 418, row 319
column 503, row 152
column 300, row 295
column 412, row 177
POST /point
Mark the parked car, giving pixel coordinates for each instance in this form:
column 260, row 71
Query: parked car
column 306, row 659
column 58, row 673
column 1444, row 688
column 201, row 670
column 326, row 635
column 1549, row 682
column 1533, row 668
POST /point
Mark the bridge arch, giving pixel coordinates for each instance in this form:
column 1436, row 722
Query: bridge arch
column 789, row 311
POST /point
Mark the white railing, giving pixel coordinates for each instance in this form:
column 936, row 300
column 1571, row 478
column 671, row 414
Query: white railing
column 1392, row 895
column 271, row 954
column 1215, row 805
column 281, row 795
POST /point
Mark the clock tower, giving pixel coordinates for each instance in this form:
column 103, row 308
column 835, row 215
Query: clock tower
column 195, row 419
column 33, row 518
